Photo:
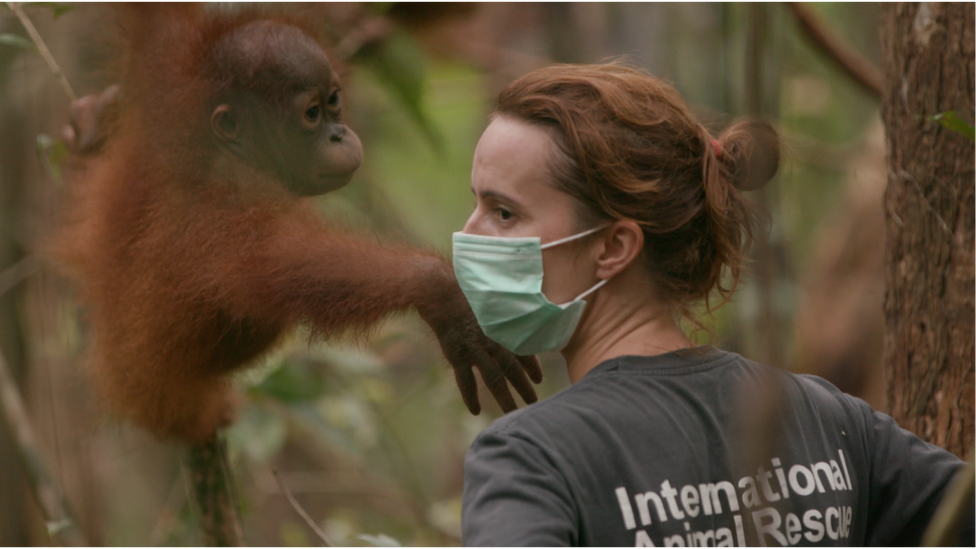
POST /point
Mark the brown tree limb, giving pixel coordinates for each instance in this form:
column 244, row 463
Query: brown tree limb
column 61, row 525
column 211, row 481
column 865, row 73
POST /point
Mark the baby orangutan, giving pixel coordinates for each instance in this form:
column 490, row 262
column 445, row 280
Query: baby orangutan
column 188, row 233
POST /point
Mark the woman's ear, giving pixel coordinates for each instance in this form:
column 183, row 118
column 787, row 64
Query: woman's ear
column 622, row 243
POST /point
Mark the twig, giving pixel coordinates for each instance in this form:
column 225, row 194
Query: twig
column 945, row 227
column 168, row 516
column 61, row 524
column 301, row 512
column 943, row 530
column 853, row 63
column 18, row 272
column 211, row 480
column 42, row 49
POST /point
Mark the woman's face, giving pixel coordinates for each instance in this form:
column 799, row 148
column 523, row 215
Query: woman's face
column 515, row 198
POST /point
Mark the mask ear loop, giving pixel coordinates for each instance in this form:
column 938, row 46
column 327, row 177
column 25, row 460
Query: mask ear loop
column 571, row 238
column 596, row 286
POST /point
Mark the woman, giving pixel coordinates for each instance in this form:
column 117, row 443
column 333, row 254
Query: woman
column 600, row 178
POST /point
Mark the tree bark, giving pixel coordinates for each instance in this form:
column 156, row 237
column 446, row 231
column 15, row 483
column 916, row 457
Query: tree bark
column 928, row 65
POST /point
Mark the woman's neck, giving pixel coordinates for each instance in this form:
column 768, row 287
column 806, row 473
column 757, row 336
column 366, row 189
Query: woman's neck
column 616, row 324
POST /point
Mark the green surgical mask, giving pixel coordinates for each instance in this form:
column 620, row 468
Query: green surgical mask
column 502, row 279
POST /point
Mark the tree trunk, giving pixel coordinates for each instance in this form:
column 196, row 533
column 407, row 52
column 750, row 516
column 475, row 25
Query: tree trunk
column 928, row 65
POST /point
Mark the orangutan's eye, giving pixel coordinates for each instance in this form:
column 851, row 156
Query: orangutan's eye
column 334, row 100
column 313, row 113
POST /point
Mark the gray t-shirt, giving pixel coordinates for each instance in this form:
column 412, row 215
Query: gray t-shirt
column 651, row 451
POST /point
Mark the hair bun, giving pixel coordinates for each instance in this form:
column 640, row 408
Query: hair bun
column 750, row 150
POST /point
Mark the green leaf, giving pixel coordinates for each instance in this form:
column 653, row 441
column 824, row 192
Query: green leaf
column 53, row 154
column 61, row 9
column 58, row 8
column 293, row 383
column 400, row 65
column 259, row 433
column 350, row 361
column 379, row 540
column 293, row 534
column 353, row 417
column 379, row 8
column 54, row 528
column 13, row 40
column 952, row 122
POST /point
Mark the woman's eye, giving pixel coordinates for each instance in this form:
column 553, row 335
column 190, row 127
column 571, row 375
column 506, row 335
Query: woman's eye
column 312, row 113
column 504, row 214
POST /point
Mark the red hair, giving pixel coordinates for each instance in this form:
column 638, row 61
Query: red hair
column 629, row 147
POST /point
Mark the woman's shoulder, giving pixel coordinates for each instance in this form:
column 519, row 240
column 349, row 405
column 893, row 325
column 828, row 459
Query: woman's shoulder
column 807, row 398
column 803, row 388
column 604, row 393
column 628, row 388
column 541, row 416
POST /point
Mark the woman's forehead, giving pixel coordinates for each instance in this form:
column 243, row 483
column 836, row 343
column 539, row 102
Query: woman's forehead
column 512, row 151
column 511, row 138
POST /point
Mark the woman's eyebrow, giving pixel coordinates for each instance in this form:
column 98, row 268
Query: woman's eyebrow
column 502, row 197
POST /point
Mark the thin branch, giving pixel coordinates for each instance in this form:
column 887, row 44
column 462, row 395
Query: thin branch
column 863, row 71
column 169, row 515
column 61, row 525
column 301, row 512
column 42, row 48
column 925, row 200
column 18, row 272
column 943, row 529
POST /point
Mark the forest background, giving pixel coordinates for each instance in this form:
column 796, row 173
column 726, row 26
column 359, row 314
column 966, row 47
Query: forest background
column 370, row 438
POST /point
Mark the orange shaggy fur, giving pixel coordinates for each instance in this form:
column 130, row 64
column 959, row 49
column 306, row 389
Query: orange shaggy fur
column 194, row 263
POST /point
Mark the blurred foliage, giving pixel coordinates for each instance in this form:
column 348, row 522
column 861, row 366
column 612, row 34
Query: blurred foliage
column 414, row 176
column 400, row 66
column 53, row 154
column 16, row 41
column 57, row 8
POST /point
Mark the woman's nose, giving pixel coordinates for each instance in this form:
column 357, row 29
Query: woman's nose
column 469, row 225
